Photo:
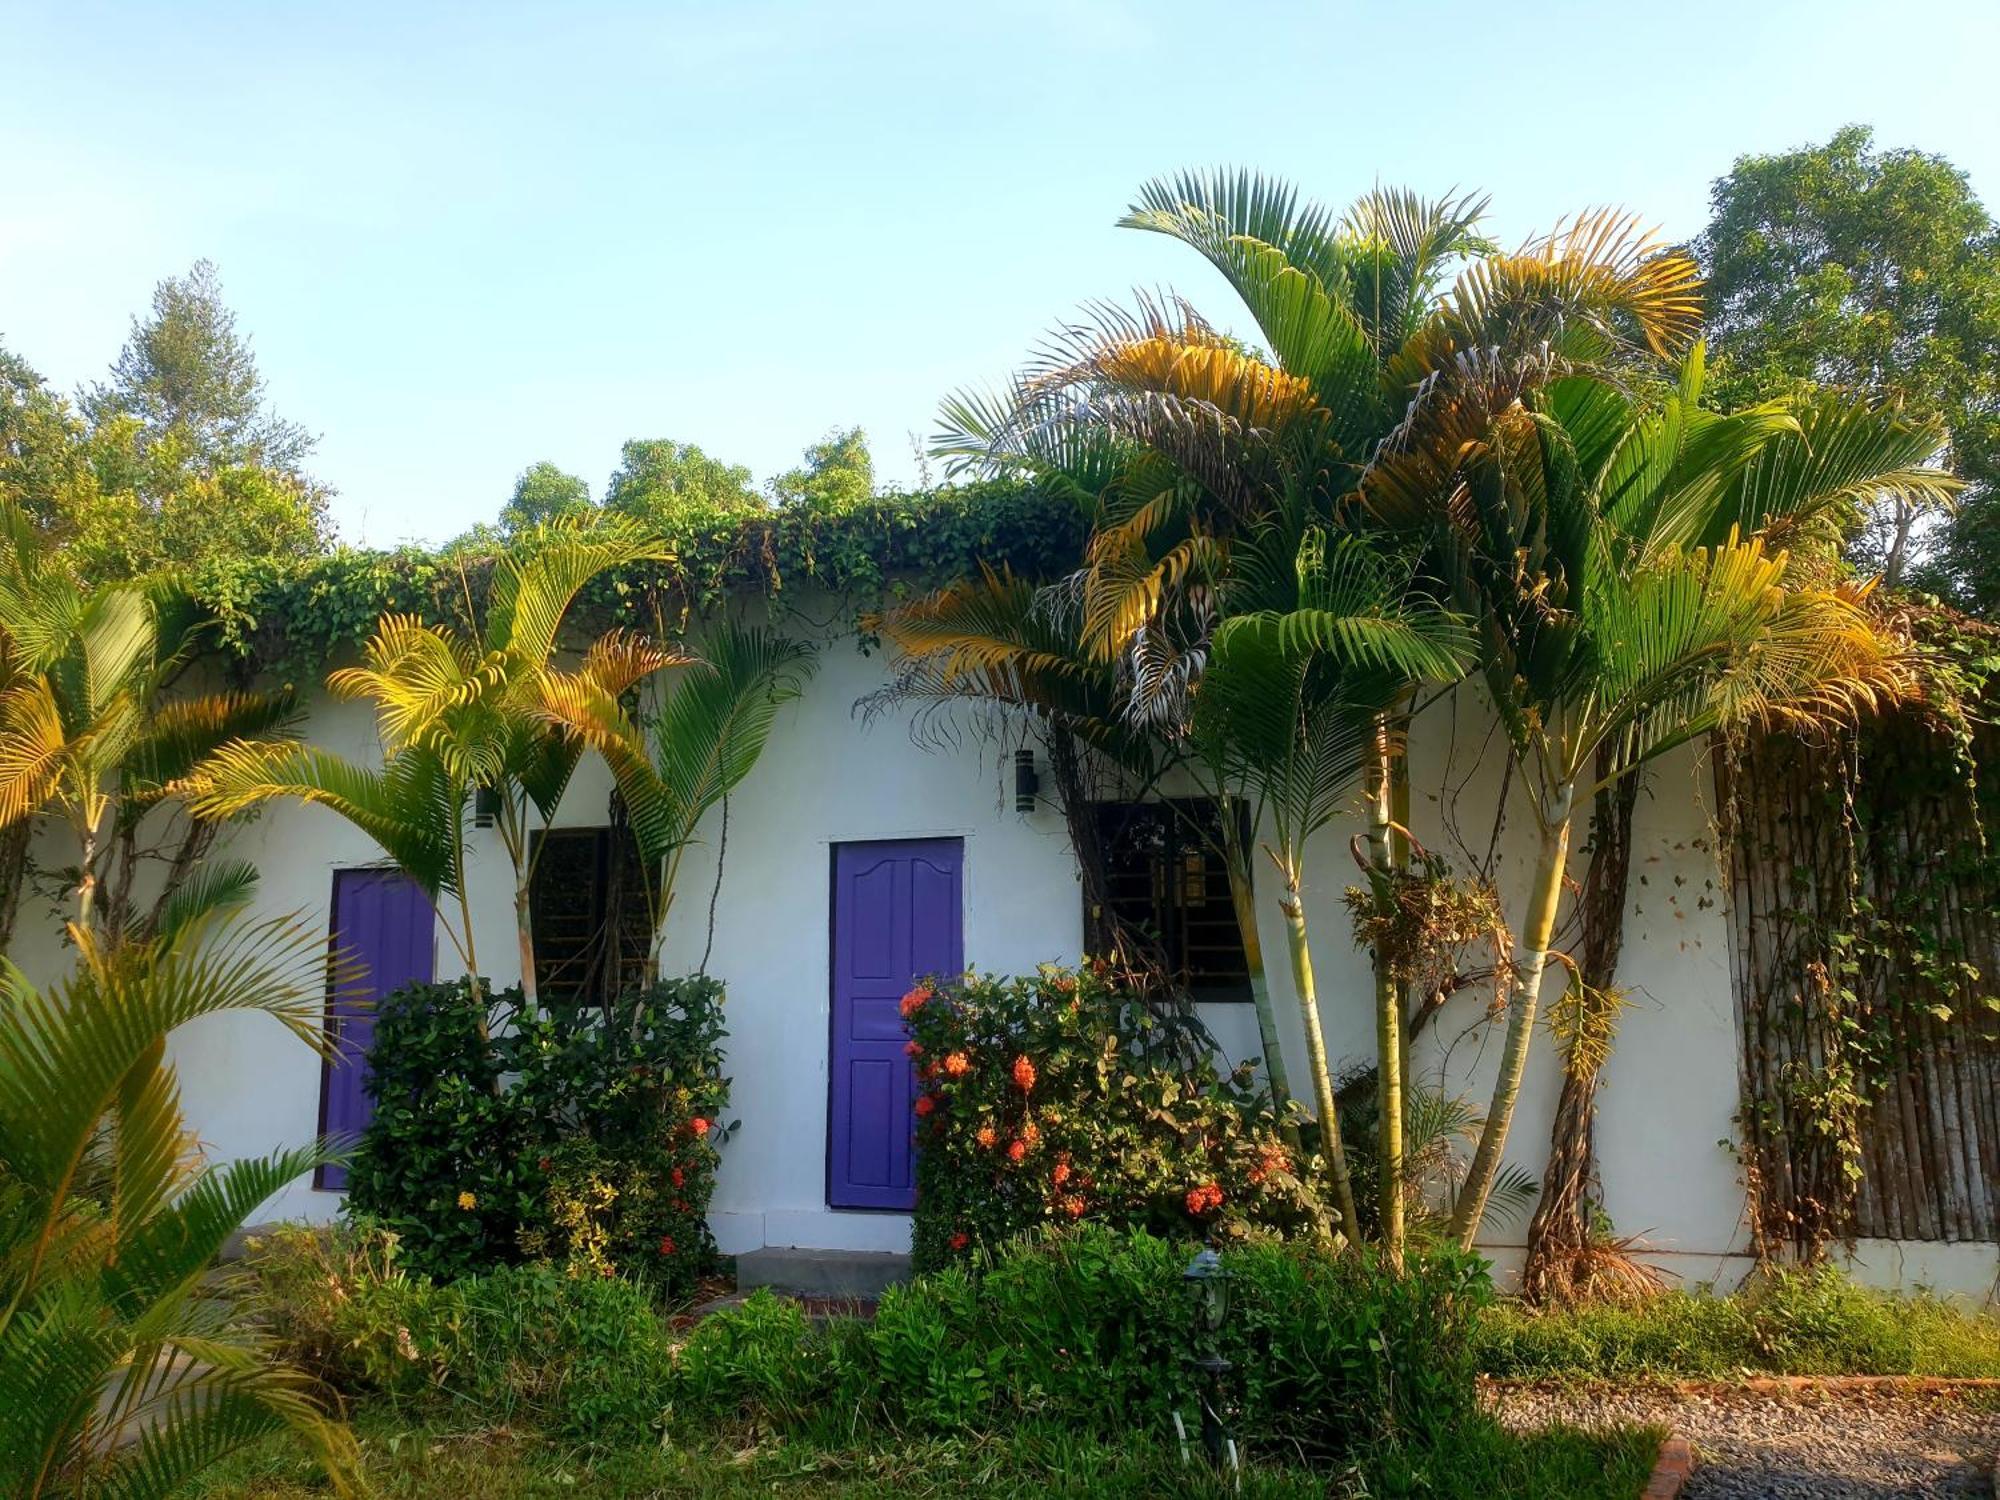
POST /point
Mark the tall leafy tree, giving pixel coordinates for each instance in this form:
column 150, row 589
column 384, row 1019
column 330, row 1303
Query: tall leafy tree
column 837, row 475
column 544, row 494
column 1878, row 271
column 664, row 484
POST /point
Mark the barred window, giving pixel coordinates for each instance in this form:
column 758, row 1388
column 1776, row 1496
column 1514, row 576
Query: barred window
column 588, row 907
column 1166, row 876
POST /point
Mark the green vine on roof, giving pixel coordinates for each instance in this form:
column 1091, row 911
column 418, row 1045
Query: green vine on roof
column 292, row 620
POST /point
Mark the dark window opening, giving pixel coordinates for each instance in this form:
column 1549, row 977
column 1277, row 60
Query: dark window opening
column 1166, row 876
column 588, row 905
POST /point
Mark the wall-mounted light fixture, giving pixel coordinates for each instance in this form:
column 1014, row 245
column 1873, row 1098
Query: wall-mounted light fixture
column 485, row 807
column 1026, row 781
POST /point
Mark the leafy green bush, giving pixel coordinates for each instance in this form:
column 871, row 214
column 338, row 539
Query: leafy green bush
column 627, row 1114
column 1090, row 1328
column 562, row 1136
column 445, row 1163
column 582, row 1357
column 1061, row 1097
column 1806, row 1322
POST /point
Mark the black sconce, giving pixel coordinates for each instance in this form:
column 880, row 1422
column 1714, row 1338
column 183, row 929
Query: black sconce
column 485, row 807
column 1026, row 781
column 1207, row 1281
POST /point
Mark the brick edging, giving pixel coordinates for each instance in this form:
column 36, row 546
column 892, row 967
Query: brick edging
column 1671, row 1470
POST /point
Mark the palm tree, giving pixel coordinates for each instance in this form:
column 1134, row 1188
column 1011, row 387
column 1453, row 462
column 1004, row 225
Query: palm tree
column 1288, row 712
column 123, row 1376
column 88, row 731
column 1194, row 449
column 461, row 711
column 692, row 751
column 990, row 646
column 1618, row 556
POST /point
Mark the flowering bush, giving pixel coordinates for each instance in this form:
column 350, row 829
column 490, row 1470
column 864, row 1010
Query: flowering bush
column 629, row 1111
column 566, row 1136
column 1050, row 1100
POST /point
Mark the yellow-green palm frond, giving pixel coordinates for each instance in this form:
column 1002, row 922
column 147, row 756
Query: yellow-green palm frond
column 1598, row 284
column 109, row 1228
column 984, row 630
column 537, row 580
column 413, row 808
column 1716, row 639
column 33, row 744
column 179, row 734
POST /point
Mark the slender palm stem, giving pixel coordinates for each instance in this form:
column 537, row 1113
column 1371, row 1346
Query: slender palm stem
column 1242, row 898
column 1382, row 841
column 1531, row 954
column 1293, row 907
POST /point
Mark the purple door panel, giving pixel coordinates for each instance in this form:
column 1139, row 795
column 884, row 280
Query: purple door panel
column 896, row 919
column 382, row 922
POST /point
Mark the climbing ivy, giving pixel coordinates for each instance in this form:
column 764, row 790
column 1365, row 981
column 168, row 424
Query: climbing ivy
column 290, row 620
column 1868, row 913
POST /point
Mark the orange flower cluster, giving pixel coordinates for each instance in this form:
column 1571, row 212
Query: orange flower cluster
column 1271, row 1160
column 698, row 1125
column 987, row 1137
column 957, row 1065
column 913, row 1048
column 1024, row 1073
column 913, row 1001
column 1031, row 1133
column 666, row 1244
column 1073, row 1205
column 1016, row 1150
column 1204, row 1199
column 960, row 1240
column 1061, row 1173
column 925, row 1104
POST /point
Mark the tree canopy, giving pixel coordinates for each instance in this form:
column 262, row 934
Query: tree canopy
column 174, row 461
column 1877, row 270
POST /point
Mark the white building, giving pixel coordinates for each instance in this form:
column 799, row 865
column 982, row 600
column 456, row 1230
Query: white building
column 829, row 781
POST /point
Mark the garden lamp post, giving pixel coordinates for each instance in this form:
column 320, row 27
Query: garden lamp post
column 1207, row 1281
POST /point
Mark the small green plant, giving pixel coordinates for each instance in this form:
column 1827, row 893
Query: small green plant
column 585, row 1358
column 1805, row 1322
column 1089, row 1329
column 1063, row 1097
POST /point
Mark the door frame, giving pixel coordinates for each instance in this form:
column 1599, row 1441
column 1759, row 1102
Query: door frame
column 963, row 839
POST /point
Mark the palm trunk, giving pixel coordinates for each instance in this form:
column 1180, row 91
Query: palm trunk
column 524, row 934
column 1242, row 899
column 1531, row 956
column 1560, row 1230
column 1388, row 1011
column 1322, row 1078
column 13, row 874
column 86, row 885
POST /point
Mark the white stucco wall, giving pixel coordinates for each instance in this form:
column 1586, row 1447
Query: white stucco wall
column 1670, row 1088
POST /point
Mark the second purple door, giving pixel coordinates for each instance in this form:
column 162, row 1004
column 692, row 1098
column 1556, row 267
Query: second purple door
column 896, row 919
column 382, row 921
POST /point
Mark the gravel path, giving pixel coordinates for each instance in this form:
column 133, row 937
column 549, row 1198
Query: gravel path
column 1808, row 1444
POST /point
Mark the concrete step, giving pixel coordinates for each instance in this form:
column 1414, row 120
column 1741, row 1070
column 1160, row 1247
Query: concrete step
column 857, row 1274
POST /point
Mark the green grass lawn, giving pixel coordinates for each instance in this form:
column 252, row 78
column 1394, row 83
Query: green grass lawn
column 415, row 1463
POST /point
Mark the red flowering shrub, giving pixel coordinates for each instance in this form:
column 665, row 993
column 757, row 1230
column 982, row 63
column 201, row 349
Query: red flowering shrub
column 1055, row 1102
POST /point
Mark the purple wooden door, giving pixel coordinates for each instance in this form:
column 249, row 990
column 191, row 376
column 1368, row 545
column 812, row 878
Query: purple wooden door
column 382, row 922
column 896, row 919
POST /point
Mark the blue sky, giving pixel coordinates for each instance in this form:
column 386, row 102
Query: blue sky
column 465, row 238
